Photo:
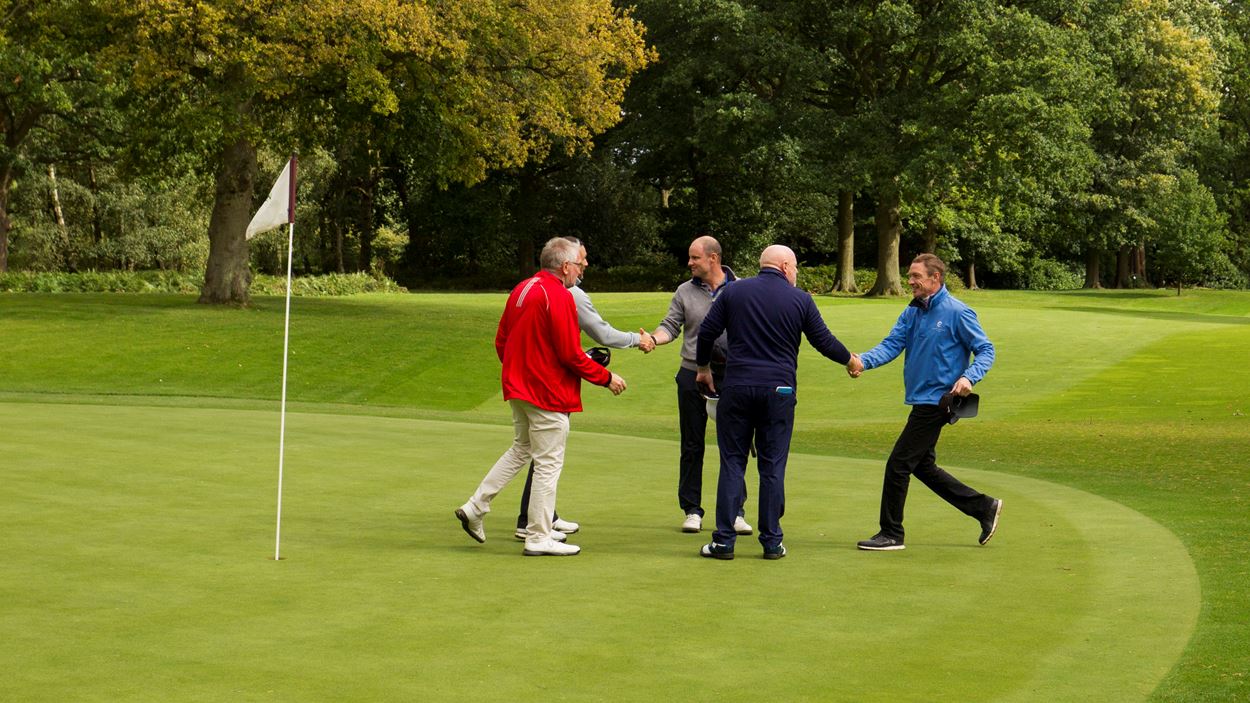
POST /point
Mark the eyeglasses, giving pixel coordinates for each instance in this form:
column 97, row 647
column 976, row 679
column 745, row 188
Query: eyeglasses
column 580, row 264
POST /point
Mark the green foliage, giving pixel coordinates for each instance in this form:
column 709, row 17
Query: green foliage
column 186, row 283
column 100, row 282
column 1036, row 273
column 330, row 284
column 110, row 221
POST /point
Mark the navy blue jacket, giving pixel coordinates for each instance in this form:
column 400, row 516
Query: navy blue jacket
column 765, row 317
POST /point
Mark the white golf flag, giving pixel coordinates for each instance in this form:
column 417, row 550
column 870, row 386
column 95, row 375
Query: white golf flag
column 279, row 208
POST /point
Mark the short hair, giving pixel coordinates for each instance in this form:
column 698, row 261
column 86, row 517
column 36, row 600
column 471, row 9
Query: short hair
column 557, row 251
column 932, row 264
column 710, row 245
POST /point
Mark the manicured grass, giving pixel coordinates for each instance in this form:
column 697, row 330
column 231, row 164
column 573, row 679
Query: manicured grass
column 1134, row 397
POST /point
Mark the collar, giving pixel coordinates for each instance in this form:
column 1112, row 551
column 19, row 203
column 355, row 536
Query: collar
column 926, row 303
column 774, row 272
column 729, row 276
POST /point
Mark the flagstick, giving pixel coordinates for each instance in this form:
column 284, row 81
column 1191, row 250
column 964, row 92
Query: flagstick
column 286, row 345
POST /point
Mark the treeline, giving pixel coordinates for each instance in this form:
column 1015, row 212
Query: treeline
column 1034, row 144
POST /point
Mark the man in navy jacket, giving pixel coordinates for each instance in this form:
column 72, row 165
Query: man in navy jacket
column 766, row 317
column 938, row 333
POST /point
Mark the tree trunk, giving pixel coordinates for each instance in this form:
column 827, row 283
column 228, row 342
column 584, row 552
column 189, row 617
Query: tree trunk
column 930, row 235
column 367, row 194
column 1138, row 265
column 338, row 248
column 6, row 181
column 1092, row 276
column 527, row 214
column 1122, row 267
column 889, row 230
column 846, row 243
column 58, row 216
column 972, row 274
column 227, row 276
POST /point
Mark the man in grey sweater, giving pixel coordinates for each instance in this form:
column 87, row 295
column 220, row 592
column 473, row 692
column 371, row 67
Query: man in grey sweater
column 686, row 311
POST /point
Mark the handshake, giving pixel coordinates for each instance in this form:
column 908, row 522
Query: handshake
column 855, row 366
column 646, row 341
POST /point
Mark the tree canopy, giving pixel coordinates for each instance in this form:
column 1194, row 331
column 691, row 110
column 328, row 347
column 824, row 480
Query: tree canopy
column 445, row 139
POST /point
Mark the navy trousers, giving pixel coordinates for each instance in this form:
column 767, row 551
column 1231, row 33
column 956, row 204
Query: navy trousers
column 914, row 454
column 767, row 416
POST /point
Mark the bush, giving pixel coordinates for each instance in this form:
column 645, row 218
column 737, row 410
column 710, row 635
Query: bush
column 187, row 284
column 1047, row 274
column 330, row 284
column 100, row 282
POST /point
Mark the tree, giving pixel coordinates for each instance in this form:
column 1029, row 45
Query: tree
column 472, row 84
column 933, row 99
column 1157, row 71
column 1190, row 228
column 47, row 76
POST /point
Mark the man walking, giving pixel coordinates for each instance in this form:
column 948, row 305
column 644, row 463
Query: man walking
column 938, row 332
column 766, row 317
column 543, row 363
column 709, row 278
column 598, row 329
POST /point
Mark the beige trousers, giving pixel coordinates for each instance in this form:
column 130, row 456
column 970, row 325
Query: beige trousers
column 539, row 435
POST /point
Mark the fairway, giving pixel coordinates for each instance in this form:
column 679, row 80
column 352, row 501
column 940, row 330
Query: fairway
column 159, row 524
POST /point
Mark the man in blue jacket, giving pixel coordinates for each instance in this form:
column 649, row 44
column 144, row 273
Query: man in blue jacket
column 766, row 318
column 938, row 333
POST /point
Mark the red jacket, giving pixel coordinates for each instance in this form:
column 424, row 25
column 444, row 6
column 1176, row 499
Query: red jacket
column 539, row 344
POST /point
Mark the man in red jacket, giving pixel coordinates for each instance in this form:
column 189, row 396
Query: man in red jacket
column 539, row 343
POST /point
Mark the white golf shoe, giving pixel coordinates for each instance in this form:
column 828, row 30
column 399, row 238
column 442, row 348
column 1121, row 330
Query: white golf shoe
column 550, row 548
column 692, row 523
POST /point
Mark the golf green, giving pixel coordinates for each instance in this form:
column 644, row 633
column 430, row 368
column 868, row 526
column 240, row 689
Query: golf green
column 139, row 546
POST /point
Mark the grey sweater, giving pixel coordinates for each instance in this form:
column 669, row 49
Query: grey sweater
column 689, row 306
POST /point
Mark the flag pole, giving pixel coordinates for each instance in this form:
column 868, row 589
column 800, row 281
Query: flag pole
column 286, row 346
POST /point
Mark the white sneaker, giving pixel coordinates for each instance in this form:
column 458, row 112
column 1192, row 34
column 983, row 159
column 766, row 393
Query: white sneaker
column 471, row 522
column 692, row 523
column 741, row 526
column 522, row 534
column 550, row 548
column 568, row 527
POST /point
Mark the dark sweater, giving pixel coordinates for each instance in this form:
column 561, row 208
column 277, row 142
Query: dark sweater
column 765, row 317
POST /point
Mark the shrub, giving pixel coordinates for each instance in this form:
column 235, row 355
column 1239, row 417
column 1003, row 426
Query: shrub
column 331, row 284
column 1047, row 274
column 187, row 284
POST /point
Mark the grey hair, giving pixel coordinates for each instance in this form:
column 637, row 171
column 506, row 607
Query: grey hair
column 557, row 251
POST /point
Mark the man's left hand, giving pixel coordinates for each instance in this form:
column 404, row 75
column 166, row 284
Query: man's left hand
column 704, row 378
column 962, row 387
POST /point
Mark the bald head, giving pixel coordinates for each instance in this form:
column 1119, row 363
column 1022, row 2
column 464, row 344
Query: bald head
column 777, row 254
column 781, row 257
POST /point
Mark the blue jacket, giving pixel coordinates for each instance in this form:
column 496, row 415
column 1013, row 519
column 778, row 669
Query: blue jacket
column 765, row 316
column 938, row 342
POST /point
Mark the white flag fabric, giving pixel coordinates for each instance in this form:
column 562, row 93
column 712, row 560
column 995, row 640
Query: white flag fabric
column 278, row 209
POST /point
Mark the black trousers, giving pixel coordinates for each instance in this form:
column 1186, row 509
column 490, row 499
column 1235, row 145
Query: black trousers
column 914, row 454
column 760, row 413
column 692, row 418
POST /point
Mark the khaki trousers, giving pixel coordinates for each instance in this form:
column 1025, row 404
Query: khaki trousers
column 539, row 435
